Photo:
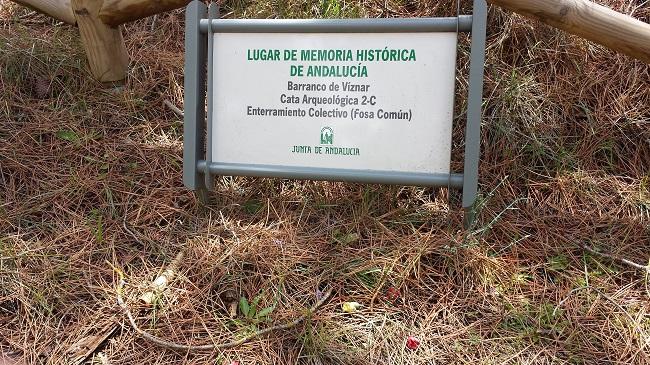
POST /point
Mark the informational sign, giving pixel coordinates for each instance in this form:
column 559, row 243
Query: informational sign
column 356, row 100
column 364, row 101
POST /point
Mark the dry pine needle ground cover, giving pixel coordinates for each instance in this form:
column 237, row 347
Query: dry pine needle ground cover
column 91, row 179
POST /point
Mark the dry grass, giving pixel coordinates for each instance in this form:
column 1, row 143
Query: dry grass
column 566, row 162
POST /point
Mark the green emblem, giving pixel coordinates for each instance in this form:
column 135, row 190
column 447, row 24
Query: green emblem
column 326, row 136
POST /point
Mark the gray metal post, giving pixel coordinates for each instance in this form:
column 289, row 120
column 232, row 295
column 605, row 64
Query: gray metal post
column 194, row 104
column 213, row 12
column 474, row 103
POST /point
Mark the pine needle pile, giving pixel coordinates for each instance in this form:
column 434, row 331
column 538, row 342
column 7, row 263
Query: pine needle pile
column 554, row 271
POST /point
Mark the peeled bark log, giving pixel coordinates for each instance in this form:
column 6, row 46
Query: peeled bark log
column 57, row 9
column 104, row 45
column 116, row 12
column 589, row 20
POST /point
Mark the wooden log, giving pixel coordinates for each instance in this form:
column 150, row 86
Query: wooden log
column 57, row 9
column 589, row 20
column 104, row 45
column 116, row 12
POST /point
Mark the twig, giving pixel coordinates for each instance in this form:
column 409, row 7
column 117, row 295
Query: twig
column 153, row 22
column 27, row 15
column 125, row 225
column 561, row 303
column 161, row 282
column 174, row 108
column 175, row 346
column 130, row 232
column 633, row 264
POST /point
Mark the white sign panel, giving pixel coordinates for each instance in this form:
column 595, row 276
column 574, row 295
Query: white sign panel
column 362, row 101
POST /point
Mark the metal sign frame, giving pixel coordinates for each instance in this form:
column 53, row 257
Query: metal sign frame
column 202, row 21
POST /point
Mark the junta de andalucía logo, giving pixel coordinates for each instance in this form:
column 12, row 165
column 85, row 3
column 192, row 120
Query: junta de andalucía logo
column 326, row 136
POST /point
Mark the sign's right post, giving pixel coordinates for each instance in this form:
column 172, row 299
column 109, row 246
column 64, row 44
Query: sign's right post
column 474, row 112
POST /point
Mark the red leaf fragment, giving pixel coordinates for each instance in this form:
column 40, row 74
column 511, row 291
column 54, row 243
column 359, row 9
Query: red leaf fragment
column 412, row 342
column 392, row 294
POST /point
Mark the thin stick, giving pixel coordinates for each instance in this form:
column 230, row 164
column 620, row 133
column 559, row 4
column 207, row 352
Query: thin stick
column 175, row 346
column 160, row 283
column 619, row 259
column 154, row 18
column 174, row 108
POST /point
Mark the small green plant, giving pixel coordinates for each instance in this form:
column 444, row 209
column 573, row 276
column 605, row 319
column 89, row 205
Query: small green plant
column 331, row 8
column 558, row 263
column 474, row 338
column 606, row 152
column 345, row 238
column 68, row 135
column 251, row 313
column 252, row 206
column 96, row 220
column 370, row 277
column 313, row 339
column 338, row 9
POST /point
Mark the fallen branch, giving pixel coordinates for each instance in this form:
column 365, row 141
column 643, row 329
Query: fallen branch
column 161, row 282
column 625, row 261
column 174, row 108
column 175, row 346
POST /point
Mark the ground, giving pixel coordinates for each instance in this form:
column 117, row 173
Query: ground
column 91, row 187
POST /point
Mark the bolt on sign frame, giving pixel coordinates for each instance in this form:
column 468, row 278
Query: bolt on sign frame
column 199, row 168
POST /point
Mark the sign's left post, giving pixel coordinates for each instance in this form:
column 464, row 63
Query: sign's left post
column 194, row 94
